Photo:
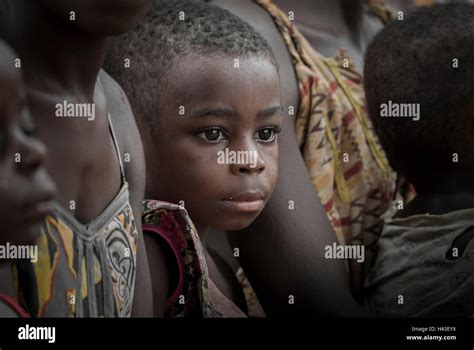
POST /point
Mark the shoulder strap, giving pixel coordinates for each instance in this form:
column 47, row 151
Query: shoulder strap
column 114, row 139
column 16, row 308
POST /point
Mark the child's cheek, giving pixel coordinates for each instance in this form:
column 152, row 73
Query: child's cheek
column 270, row 155
column 271, row 164
column 200, row 162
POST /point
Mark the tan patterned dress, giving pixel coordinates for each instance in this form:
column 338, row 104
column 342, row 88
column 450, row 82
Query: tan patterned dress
column 84, row 270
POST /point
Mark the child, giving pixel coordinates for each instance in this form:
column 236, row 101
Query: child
column 205, row 89
column 91, row 250
column 419, row 85
column 26, row 191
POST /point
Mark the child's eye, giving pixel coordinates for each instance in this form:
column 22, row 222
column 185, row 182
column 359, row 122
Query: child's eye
column 267, row 134
column 212, row 135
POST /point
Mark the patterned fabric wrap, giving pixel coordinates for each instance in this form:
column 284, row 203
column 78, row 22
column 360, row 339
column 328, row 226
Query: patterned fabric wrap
column 172, row 223
column 345, row 161
column 83, row 270
column 254, row 308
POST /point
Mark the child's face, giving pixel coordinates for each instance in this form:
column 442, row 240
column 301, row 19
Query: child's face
column 231, row 115
column 100, row 17
column 26, row 191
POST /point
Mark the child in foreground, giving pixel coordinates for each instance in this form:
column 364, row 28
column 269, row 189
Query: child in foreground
column 205, row 90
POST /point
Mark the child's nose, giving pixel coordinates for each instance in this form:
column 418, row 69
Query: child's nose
column 33, row 154
column 250, row 163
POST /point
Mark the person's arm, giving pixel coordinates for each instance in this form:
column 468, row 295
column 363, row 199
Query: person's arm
column 135, row 172
column 282, row 252
column 159, row 273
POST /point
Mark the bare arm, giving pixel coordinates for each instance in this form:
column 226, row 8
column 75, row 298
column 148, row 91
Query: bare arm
column 127, row 133
column 282, row 252
column 159, row 274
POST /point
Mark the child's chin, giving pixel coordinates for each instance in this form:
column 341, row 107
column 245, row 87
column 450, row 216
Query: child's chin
column 235, row 224
column 22, row 235
column 32, row 234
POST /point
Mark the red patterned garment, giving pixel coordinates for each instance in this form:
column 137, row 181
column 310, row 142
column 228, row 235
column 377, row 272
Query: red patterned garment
column 195, row 295
column 171, row 223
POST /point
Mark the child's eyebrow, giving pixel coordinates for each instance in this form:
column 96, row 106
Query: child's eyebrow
column 269, row 112
column 223, row 112
column 220, row 112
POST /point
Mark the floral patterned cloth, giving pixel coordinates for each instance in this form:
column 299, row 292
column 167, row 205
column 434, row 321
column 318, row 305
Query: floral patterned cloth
column 172, row 223
column 191, row 297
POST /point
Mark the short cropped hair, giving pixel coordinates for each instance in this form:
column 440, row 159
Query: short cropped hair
column 426, row 59
column 174, row 29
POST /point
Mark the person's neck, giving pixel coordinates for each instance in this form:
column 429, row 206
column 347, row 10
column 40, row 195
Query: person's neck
column 330, row 14
column 438, row 204
column 202, row 231
column 6, row 278
column 450, row 183
column 450, row 192
column 56, row 56
column 152, row 191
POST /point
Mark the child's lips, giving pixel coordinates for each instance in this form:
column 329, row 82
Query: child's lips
column 40, row 205
column 39, row 210
column 44, row 208
column 245, row 202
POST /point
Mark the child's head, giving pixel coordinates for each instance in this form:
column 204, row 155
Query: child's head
column 204, row 88
column 106, row 17
column 422, row 68
column 26, row 191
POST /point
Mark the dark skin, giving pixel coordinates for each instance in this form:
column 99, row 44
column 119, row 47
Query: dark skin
column 438, row 203
column 332, row 25
column 26, row 190
column 62, row 61
column 240, row 110
column 320, row 287
column 441, row 193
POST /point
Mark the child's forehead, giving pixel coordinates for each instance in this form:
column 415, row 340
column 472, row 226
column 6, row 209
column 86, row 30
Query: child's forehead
column 197, row 78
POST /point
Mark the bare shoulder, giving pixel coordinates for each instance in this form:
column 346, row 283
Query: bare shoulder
column 133, row 158
column 118, row 105
column 125, row 127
